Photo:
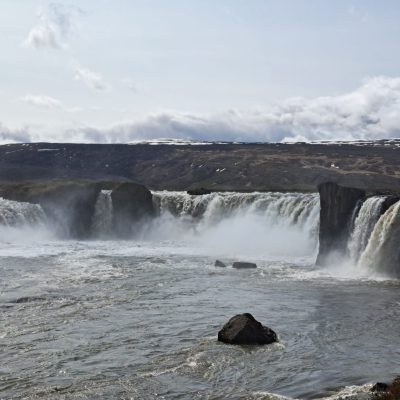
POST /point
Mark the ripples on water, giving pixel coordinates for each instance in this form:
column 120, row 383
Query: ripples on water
column 130, row 320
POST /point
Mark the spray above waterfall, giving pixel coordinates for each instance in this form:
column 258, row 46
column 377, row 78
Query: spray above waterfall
column 102, row 221
column 229, row 222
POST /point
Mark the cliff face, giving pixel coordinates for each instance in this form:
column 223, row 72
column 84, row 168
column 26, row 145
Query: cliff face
column 70, row 206
column 132, row 204
column 236, row 167
column 337, row 207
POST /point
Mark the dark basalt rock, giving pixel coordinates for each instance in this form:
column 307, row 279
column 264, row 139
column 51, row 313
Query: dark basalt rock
column 245, row 329
column 69, row 205
column 219, row 263
column 380, row 387
column 132, row 204
column 199, row 191
column 243, row 265
column 337, row 206
column 384, row 391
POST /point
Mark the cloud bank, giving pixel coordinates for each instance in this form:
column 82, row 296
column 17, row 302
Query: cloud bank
column 372, row 111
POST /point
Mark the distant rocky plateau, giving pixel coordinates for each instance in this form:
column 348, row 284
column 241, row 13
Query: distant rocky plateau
column 371, row 166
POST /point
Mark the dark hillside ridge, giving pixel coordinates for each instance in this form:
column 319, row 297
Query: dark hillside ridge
column 236, row 167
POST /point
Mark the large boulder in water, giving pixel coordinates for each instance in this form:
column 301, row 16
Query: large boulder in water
column 337, row 207
column 132, row 204
column 245, row 329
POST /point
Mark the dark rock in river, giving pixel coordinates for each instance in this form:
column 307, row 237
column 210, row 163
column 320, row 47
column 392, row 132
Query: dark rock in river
column 245, row 329
column 199, row 191
column 243, row 265
column 387, row 392
column 380, row 387
column 337, row 206
column 219, row 263
column 132, row 203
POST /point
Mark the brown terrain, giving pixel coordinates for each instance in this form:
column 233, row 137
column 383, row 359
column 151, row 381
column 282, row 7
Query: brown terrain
column 244, row 167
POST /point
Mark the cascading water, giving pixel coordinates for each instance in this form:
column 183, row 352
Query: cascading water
column 103, row 214
column 19, row 214
column 263, row 220
column 363, row 226
column 382, row 253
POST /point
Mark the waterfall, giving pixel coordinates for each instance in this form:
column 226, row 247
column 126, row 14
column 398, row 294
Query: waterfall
column 382, row 253
column 19, row 214
column 103, row 214
column 288, row 210
column 363, row 226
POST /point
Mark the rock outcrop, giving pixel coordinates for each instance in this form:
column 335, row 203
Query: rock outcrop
column 245, row 329
column 337, row 207
column 132, row 204
column 70, row 205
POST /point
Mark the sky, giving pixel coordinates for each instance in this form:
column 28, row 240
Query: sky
column 118, row 71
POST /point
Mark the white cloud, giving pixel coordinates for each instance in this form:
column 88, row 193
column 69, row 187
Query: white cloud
column 42, row 36
column 41, row 101
column 47, row 102
column 55, row 25
column 91, row 79
column 372, row 111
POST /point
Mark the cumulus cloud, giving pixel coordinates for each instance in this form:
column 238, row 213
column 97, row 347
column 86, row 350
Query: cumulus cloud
column 91, row 79
column 55, row 25
column 372, row 111
column 42, row 36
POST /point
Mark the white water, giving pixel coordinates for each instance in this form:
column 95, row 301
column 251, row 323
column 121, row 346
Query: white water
column 103, row 215
column 18, row 214
column 382, row 253
column 267, row 224
column 139, row 319
column 363, row 226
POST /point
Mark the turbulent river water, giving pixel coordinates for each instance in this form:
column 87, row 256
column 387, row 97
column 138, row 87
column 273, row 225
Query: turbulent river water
column 138, row 319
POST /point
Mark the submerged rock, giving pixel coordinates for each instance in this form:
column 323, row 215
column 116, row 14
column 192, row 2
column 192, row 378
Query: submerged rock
column 243, row 265
column 245, row 329
column 219, row 263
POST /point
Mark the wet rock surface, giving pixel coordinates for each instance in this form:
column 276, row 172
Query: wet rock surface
column 244, row 265
column 244, row 329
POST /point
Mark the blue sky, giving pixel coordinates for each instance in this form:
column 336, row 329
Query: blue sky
column 271, row 70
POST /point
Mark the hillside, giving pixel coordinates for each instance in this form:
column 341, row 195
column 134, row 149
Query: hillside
column 283, row 167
